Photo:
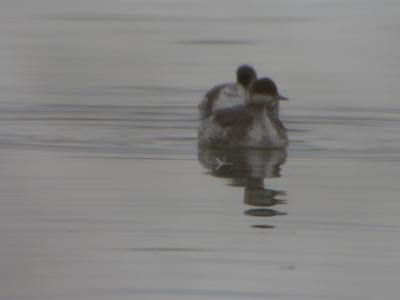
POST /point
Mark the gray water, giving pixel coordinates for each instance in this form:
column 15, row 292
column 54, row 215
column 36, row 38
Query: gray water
column 104, row 194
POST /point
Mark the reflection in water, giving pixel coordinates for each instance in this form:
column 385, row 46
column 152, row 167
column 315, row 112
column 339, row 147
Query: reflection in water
column 247, row 168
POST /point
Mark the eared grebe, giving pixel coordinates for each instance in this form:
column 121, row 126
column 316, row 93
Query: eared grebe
column 252, row 124
column 228, row 94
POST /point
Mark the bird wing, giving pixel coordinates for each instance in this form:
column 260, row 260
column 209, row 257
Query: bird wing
column 237, row 115
column 209, row 98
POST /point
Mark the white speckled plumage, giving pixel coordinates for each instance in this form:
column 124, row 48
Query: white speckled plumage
column 264, row 132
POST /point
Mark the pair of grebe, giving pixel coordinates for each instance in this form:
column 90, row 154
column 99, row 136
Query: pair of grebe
column 244, row 114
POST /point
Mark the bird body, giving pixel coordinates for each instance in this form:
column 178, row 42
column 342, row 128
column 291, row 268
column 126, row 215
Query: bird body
column 252, row 124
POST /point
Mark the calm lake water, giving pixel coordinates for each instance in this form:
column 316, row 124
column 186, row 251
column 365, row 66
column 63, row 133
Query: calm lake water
column 105, row 195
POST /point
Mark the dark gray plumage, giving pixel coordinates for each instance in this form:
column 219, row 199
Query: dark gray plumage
column 239, row 115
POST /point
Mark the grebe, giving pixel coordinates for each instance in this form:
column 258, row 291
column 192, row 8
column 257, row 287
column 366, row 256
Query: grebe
column 228, row 94
column 252, row 124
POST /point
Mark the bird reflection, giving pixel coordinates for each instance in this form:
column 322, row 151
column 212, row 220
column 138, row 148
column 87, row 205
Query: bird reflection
column 247, row 168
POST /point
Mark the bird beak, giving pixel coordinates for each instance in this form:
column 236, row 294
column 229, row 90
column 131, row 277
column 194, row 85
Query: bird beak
column 280, row 97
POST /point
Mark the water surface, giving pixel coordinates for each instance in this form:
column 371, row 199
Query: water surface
column 105, row 195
